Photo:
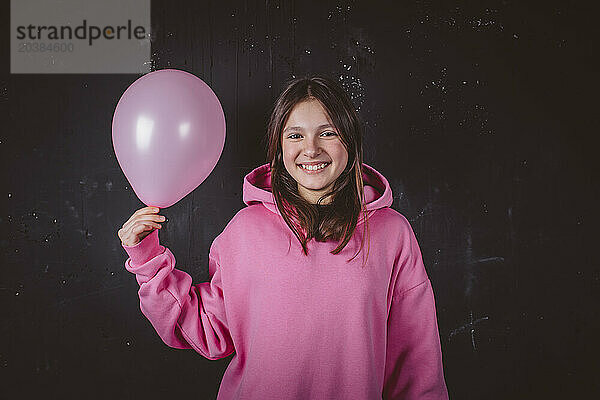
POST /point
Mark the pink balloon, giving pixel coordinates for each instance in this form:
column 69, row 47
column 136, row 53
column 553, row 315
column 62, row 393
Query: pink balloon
column 168, row 133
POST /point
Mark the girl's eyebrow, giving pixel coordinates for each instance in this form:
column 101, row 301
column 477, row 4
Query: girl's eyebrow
column 299, row 128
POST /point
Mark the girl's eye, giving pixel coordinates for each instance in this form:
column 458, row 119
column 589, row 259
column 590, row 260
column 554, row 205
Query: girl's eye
column 293, row 135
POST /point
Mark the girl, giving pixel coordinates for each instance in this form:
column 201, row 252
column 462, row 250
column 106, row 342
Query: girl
column 305, row 317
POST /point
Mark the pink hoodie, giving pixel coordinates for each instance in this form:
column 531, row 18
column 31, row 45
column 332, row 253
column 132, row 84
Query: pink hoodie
column 302, row 327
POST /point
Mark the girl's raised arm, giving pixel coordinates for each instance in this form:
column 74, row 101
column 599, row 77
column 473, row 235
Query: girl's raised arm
column 185, row 316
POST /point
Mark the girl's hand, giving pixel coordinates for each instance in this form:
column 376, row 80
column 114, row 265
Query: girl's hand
column 140, row 225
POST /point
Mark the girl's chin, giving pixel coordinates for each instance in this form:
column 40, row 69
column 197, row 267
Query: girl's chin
column 314, row 185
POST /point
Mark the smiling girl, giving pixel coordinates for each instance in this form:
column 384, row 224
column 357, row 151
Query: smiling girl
column 304, row 317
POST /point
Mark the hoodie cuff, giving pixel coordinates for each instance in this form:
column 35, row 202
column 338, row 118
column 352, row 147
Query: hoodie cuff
column 145, row 250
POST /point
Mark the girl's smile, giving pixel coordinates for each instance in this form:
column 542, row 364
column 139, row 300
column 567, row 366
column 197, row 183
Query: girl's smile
column 315, row 168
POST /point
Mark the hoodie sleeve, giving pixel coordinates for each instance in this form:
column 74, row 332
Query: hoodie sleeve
column 413, row 366
column 185, row 316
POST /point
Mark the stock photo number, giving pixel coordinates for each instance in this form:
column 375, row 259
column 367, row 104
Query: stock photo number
column 29, row 47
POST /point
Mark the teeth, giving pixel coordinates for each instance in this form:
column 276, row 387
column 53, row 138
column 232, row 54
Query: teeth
column 314, row 167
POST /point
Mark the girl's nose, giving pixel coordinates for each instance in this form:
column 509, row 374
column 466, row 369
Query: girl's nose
column 311, row 148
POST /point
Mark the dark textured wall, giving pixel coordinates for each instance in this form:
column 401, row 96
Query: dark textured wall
column 480, row 114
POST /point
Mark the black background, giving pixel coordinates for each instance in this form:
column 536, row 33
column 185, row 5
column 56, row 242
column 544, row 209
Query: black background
column 480, row 114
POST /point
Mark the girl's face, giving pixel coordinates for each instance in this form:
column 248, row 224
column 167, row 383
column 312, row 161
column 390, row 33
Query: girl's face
column 310, row 140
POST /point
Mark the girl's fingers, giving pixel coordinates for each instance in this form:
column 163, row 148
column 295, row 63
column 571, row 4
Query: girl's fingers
column 143, row 211
column 140, row 221
column 139, row 229
column 136, row 218
column 145, row 227
column 136, row 224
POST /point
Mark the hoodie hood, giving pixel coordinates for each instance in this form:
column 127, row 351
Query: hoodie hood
column 257, row 189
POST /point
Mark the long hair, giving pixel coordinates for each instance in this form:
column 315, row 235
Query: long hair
column 338, row 219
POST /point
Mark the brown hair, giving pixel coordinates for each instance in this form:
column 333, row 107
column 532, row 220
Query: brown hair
column 338, row 219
